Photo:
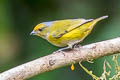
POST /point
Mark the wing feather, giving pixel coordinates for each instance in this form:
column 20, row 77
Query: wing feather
column 59, row 28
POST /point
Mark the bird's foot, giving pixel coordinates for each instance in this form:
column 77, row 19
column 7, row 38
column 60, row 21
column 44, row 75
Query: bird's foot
column 76, row 46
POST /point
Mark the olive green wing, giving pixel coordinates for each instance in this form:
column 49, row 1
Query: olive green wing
column 59, row 28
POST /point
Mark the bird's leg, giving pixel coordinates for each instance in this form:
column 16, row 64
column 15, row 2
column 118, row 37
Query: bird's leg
column 76, row 45
column 69, row 47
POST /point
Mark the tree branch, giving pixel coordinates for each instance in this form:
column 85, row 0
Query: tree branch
column 60, row 59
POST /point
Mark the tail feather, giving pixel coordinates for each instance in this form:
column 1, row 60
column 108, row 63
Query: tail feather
column 101, row 18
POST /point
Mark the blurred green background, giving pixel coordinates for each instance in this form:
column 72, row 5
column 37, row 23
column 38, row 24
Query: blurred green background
column 18, row 18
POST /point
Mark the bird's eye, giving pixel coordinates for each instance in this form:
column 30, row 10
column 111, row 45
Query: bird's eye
column 40, row 29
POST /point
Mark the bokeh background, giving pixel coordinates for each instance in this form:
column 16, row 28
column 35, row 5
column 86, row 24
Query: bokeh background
column 18, row 18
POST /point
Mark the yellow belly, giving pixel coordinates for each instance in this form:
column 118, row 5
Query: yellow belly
column 73, row 36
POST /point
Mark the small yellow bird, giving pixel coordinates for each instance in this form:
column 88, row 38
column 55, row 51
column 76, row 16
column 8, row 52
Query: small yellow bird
column 67, row 32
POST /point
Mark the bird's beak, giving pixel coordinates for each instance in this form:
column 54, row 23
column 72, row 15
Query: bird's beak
column 32, row 33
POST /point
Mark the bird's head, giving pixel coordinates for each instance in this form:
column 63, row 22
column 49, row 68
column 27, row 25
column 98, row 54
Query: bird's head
column 40, row 30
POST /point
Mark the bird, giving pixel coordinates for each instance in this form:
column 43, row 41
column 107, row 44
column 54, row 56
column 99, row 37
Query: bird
column 67, row 32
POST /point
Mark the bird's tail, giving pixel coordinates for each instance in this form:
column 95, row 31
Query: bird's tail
column 101, row 18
